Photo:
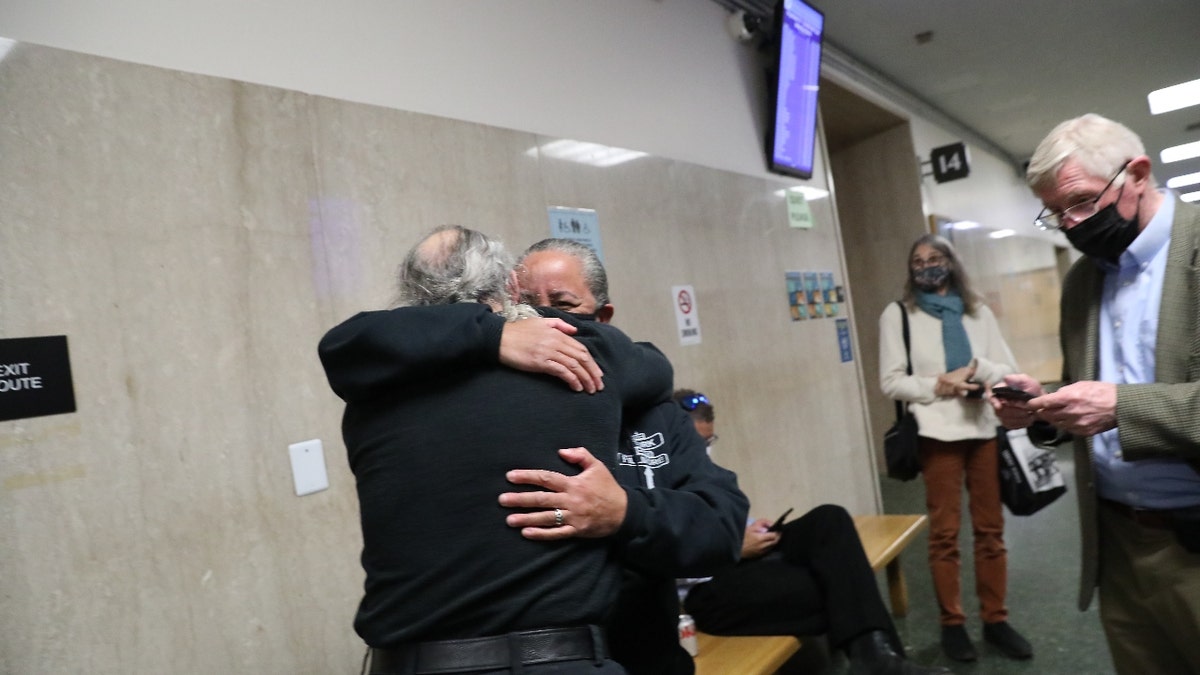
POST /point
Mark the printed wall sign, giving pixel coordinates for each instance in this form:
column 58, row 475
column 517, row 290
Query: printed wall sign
column 799, row 215
column 35, row 377
column 843, row 333
column 797, row 298
column 687, row 317
column 813, row 295
column 581, row 225
column 950, row 162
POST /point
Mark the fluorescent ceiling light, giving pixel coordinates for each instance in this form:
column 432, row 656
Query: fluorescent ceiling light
column 1174, row 98
column 1184, row 180
column 965, row 225
column 586, row 153
column 810, row 193
column 1179, row 153
column 1191, row 197
column 1000, row 234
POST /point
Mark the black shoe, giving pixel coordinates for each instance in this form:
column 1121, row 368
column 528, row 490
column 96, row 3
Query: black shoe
column 957, row 644
column 1007, row 640
column 872, row 654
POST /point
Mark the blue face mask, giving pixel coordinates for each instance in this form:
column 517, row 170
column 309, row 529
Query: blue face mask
column 930, row 279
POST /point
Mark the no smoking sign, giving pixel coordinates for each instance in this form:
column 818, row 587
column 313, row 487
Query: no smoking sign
column 687, row 318
column 685, row 302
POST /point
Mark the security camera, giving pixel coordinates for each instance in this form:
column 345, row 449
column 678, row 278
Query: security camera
column 743, row 27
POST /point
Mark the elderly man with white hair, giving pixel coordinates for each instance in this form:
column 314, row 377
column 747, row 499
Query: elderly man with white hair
column 1130, row 334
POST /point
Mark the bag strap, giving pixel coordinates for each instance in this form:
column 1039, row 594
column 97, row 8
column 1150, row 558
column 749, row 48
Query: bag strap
column 907, row 353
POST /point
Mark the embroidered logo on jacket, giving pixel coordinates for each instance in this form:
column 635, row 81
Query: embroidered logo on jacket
column 646, row 454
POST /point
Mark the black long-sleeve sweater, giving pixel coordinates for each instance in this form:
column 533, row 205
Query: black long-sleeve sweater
column 430, row 443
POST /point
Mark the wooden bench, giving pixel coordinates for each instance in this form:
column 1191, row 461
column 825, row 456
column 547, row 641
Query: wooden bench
column 883, row 537
column 742, row 654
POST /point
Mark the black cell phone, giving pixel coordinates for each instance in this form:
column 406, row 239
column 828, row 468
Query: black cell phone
column 1011, row 394
column 778, row 525
column 975, row 393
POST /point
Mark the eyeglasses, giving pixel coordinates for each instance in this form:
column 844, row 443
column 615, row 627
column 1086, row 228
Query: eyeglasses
column 691, row 402
column 1050, row 220
column 931, row 261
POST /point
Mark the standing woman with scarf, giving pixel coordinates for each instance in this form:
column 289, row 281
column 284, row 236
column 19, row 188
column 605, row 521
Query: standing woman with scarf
column 957, row 354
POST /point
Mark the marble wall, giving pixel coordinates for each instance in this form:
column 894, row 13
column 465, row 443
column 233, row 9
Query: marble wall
column 194, row 237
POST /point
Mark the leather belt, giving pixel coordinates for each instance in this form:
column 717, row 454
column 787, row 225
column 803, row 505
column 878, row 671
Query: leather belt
column 1157, row 520
column 492, row 653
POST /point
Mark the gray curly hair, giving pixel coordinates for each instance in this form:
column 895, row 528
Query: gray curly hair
column 456, row 264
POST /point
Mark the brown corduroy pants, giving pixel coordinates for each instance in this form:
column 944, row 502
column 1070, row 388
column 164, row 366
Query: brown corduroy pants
column 945, row 467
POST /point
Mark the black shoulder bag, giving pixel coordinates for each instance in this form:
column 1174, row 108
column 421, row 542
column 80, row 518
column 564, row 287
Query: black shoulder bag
column 900, row 441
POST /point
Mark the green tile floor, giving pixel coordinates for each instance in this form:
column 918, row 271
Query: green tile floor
column 1043, row 568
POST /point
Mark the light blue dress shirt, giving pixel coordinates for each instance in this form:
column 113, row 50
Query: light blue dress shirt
column 1128, row 335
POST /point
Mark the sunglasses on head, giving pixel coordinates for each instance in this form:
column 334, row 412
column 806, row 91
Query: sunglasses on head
column 691, row 402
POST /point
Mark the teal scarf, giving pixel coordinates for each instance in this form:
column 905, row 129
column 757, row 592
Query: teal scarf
column 948, row 309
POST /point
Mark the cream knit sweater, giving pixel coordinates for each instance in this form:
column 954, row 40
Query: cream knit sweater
column 945, row 418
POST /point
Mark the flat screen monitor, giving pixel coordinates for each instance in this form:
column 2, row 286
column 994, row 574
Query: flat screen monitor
column 791, row 135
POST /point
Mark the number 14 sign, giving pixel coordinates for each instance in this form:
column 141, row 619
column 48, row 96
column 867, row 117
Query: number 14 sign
column 950, row 162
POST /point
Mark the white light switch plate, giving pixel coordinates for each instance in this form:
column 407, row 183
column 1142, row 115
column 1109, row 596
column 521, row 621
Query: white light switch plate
column 308, row 467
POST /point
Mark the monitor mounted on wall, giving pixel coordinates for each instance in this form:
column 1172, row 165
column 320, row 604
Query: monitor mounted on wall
column 792, row 128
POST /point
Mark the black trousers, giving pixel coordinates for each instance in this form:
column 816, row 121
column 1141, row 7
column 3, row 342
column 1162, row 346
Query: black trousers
column 816, row 581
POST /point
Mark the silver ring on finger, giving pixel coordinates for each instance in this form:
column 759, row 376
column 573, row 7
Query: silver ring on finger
column 558, row 517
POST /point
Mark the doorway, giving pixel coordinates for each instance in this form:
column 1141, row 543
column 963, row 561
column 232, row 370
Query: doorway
column 876, row 176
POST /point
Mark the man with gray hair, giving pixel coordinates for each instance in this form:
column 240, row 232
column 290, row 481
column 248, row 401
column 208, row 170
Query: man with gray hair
column 1131, row 373
column 455, row 264
column 449, row 586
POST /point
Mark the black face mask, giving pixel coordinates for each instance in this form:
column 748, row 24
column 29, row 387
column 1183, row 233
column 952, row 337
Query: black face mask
column 929, row 279
column 583, row 317
column 1106, row 234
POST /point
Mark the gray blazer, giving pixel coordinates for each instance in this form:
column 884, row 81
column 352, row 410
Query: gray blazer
column 1161, row 419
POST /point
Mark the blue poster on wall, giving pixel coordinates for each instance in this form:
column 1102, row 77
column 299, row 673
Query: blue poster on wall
column 579, row 225
column 843, row 331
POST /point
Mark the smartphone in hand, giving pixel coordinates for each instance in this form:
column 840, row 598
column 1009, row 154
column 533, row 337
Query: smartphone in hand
column 977, row 392
column 1011, row 394
column 778, row 524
